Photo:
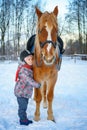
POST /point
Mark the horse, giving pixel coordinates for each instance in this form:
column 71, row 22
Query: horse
column 46, row 58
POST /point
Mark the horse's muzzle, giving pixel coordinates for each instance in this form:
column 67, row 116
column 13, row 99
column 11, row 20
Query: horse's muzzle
column 49, row 61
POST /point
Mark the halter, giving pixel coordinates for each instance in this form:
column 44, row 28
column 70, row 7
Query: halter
column 47, row 41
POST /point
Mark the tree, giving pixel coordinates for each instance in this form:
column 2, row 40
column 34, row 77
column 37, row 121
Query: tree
column 17, row 21
column 76, row 18
column 19, row 9
column 31, row 19
column 4, row 21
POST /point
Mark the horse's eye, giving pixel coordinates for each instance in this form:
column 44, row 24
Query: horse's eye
column 39, row 31
column 41, row 45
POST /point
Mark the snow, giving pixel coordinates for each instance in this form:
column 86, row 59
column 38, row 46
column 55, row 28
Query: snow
column 69, row 104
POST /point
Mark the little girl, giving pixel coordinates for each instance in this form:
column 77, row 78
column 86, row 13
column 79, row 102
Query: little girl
column 24, row 85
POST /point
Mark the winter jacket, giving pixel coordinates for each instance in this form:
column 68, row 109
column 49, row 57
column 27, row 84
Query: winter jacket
column 24, row 81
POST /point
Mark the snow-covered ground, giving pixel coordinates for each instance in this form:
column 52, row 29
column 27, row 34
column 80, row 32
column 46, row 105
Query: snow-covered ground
column 69, row 105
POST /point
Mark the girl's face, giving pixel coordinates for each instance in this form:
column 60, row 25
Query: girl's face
column 29, row 60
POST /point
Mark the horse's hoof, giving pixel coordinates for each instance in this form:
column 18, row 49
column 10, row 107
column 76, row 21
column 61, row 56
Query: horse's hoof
column 45, row 105
column 52, row 120
column 36, row 118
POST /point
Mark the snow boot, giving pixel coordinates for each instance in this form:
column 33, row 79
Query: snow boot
column 26, row 122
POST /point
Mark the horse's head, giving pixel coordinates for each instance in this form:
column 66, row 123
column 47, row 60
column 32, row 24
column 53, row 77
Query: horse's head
column 46, row 37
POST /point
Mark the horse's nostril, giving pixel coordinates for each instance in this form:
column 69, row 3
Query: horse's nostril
column 42, row 55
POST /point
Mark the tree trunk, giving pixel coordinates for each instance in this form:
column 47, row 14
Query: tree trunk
column 86, row 43
column 3, row 43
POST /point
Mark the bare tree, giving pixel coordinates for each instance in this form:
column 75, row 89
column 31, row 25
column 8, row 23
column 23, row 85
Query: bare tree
column 19, row 9
column 31, row 19
column 4, row 21
column 84, row 19
column 77, row 20
column 17, row 19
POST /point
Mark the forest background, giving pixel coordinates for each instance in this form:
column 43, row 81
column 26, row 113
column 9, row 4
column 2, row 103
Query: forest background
column 18, row 22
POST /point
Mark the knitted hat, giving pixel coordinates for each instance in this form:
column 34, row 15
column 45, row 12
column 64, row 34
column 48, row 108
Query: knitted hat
column 24, row 54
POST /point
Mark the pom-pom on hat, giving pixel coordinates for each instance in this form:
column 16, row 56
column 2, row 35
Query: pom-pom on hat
column 24, row 54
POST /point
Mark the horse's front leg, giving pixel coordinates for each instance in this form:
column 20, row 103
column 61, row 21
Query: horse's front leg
column 50, row 99
column 38, row 99
column 51, row 85
column 44, row 95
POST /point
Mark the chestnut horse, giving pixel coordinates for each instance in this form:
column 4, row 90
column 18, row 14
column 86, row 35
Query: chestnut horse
column 45, row 60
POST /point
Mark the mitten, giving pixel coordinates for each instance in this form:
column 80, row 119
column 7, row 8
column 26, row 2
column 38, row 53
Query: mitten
column 39, row 85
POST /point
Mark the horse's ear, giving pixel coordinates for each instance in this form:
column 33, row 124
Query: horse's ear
column 55, row 11
column 38, row 12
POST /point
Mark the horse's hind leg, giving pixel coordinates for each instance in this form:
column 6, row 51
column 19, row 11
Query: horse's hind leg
column 44, row 95
column 38, row 99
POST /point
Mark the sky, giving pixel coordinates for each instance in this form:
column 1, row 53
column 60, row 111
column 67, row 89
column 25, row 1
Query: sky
column 49, row 5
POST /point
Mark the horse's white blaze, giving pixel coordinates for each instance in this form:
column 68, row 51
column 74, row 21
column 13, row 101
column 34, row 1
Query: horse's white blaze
column 49, row 47
column 49, row 37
